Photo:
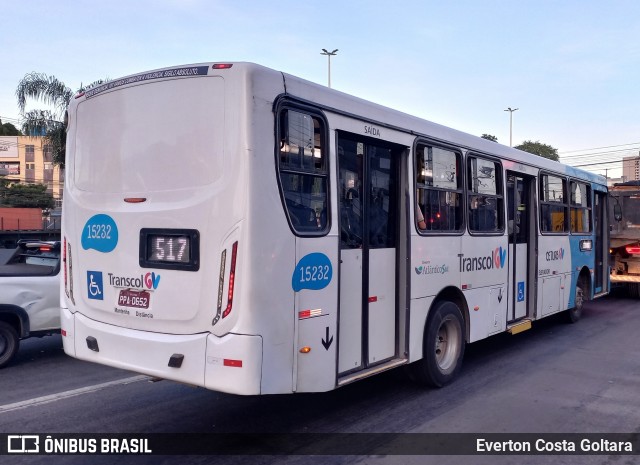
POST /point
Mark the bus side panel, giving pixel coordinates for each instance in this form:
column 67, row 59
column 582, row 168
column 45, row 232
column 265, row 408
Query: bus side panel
column 554, row 273
column 315, row 280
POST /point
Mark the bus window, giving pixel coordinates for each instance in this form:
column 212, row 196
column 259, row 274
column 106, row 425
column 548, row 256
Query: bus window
column 438, row 189
column 553, row 209
column 303, row 171
column 580, row 207
column 485, row 202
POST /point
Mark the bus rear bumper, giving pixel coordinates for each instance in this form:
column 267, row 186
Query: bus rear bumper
column 231, row 363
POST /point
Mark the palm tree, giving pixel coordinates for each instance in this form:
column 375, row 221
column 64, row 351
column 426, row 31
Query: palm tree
column 53, row 92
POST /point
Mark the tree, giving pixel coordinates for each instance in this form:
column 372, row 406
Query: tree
column 538, row 148
column 8, row 129
column 27, row 196
column 489, row 137
column 51, row 91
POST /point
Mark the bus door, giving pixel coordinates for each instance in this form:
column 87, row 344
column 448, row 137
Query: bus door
column 368, row 217
column 601, row 244
column 522, row 239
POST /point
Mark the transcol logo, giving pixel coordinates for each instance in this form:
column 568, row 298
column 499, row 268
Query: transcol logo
column 495, row 260
column 148, row 281
column 555, row 254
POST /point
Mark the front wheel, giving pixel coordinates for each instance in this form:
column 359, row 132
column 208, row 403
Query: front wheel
column 9, row 343
column 443, row 347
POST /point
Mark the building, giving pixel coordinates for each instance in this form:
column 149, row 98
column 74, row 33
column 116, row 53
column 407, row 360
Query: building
column 631, row 168
column 29, row 159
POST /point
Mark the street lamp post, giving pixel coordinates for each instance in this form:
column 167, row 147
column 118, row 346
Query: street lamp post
column 511, row 110
column 329, row 55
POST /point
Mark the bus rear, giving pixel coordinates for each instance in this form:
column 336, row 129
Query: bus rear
column 149, row 193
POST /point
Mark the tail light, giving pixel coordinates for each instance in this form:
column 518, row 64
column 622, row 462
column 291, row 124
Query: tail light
column 64, row 265
column 633, row 249
column 232, row 280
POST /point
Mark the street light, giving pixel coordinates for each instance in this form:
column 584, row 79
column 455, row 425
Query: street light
column 329, row 55
column 511, row 110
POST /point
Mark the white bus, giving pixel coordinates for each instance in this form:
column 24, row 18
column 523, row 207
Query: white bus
column 234, row 227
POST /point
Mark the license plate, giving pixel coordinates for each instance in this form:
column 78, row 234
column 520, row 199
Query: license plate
column 135, row 299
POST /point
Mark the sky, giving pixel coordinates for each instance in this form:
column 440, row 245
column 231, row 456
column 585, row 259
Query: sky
column 571, row 68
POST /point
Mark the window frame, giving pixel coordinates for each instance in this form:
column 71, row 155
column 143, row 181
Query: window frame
column 499, row 196
column 280, row 110
column 422, row 143
column 564, row 204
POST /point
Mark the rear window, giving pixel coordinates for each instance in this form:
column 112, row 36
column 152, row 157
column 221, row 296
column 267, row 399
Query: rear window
column 157, row 136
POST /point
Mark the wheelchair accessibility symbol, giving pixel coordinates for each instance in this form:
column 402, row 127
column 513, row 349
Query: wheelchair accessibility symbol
column 521, row 291
column 94, row 285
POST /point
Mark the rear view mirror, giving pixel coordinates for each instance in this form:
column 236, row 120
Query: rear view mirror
column 617, row 212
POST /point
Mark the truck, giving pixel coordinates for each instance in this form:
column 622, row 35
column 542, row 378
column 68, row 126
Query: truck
column 29, row 295
column 624, row 249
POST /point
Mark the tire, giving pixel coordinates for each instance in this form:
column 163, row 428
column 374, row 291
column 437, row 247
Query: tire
column 634, row 290
column 574, row 314
column 9, row 343
column 443, row 347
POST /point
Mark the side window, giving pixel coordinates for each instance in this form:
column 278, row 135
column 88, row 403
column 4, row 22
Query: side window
column 303, row 171
column 438, row 189
column 553, row 208
column 580, row 207
column 485, row 199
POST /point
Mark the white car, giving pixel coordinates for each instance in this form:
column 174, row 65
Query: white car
column 29, row 295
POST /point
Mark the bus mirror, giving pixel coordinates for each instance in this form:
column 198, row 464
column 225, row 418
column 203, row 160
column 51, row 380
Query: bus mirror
column 617, row 212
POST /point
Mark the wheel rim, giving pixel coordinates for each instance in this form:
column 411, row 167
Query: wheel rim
column 447, row 345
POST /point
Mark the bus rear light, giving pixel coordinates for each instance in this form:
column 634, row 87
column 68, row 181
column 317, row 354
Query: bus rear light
column 63, row 332
column 633, row 249
column 232, row 363
column 221, row 65
column 64, row 265
column 232, row 279
column 135, row 199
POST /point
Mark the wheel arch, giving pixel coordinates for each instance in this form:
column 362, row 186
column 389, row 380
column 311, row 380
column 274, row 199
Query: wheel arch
column 16, row 317
column 455, row 295
column 585, row 281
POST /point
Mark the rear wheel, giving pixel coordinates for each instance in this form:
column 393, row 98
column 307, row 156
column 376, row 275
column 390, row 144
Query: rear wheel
column 575, row 313
column 443, row 347
column 9, row 343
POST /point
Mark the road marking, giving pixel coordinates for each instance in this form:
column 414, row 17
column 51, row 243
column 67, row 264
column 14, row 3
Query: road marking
column 71, row 393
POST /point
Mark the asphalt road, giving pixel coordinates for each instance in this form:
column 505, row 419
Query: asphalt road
column 555, row 378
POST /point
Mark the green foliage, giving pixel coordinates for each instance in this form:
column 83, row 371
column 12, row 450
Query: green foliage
column 8, row 129
column 538, row 148
column 489, row 137
column 25, row 195
column 51, row 91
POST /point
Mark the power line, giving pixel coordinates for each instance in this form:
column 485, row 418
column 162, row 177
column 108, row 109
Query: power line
column 598, row 148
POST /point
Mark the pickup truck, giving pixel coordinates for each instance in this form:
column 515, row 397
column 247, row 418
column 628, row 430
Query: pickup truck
column 29, row 295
